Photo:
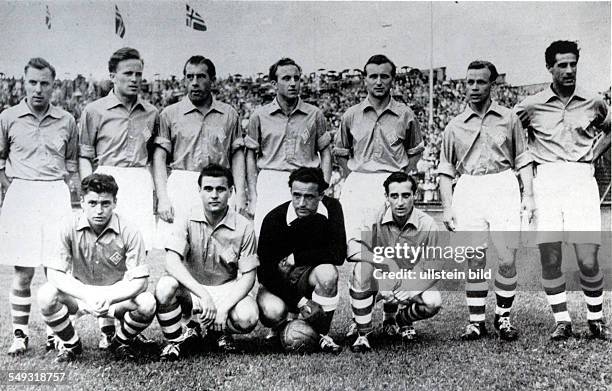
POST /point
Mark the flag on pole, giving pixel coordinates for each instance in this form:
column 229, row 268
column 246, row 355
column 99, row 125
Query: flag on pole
column 48, row 18
column 194, row 20
column 119, row 26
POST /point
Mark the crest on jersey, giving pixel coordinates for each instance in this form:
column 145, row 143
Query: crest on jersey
column 115, row 258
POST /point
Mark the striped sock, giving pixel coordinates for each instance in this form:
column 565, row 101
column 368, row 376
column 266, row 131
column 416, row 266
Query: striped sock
column 412, row 313
column 107, row 325
column 557, row 298
column 389, row 311
column 60, row 323
column 592, row 287
column 505, row 290
column 21, row 301
column 169, row 319
column 362, row 305
column 476, row 291
column 329, row 305
column 131, row 327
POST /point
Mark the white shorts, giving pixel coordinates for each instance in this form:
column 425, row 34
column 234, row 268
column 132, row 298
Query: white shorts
column 30, row 221
column 272, row 190
column 567, row 201
column 184, row 195
column 362, row 199
column 488, row 203
column 135, row 198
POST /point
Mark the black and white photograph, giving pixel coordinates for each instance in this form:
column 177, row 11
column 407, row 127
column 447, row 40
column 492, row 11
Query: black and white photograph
column 305, row 195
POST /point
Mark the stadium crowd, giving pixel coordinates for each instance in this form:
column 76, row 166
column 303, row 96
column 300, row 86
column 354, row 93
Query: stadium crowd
column 333, row 92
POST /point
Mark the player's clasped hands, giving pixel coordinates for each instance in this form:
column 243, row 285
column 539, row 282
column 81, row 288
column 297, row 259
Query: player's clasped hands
column 97, row 304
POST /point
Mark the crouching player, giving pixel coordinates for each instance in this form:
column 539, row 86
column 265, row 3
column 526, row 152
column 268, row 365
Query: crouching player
column 400, row 223
column 211, row 263
column 302, row 241
column 99, row 270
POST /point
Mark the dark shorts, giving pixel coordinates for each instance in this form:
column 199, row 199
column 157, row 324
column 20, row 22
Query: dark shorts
column 298, row 279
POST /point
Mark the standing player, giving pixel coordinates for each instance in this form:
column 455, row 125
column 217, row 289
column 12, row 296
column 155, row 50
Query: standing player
column 38, row 151
column 99, row 270
column 404, row 225
column 562, row 123
column 211, row 261
column 302, row 242
column 377, row 136
column 116, row 135
column 484, row 145
column 194, row 132
column 283, row 135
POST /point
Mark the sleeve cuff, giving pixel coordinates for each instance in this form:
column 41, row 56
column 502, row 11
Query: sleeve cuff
column 417, row 149
column 342, row 152
column 522, row 160
column 323, row 141
column 72, row 166
column 141, row 271
column 86, row 151
column 250, row 143
column 447, row 169
column 177, row 245
column 248, row 263
column 2, row 164
column 163, row 142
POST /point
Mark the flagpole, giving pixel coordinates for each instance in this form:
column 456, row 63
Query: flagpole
column 431, row 41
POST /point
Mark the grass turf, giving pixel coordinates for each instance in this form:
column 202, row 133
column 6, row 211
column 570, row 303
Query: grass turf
column 438, row 361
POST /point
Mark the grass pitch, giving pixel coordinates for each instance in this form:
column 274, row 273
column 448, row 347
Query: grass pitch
column 438, row 361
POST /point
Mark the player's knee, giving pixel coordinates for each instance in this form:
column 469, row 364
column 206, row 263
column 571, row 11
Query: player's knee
column 506, row 269
column 146, row 304
column 362, row 276
column 166, row 290
column 327, row 277
column 244, row 315
column 23, row 276
column 272, row 309
column 47, row 297
column 433, row 301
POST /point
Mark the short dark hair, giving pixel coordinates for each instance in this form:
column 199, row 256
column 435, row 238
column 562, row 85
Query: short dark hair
column 482, row 64
column 99, row 183
column 216, row 171
column 560, row 47
column 197, row 60
column 399, row 177
column 40, row 64
column 309, row 175
column 379, row 59
column 282, row 62
column 122, row 55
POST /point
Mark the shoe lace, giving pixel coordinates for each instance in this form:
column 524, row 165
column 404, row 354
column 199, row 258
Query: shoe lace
column 362, row 340
column 504, row 323
column 408, row 331
column 326, row 340
column 171, row 349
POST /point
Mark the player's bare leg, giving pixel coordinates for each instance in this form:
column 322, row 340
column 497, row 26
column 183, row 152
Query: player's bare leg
column 272, row 312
